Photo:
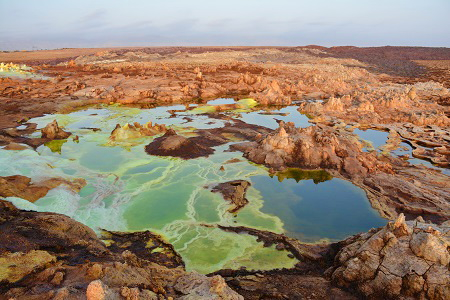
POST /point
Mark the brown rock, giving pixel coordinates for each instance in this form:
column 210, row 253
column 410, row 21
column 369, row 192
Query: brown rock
column 196, row 286
column 21, row 186
column 172, row 144
column 53, row 131
column 234, row 192
column 383, row 265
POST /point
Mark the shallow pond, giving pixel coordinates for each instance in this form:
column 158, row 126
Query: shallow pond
column 406, row 149
column 376, row 139
column 310, row 210
column 129, row 190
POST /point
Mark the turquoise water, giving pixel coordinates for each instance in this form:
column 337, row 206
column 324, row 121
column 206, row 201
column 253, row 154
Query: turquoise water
column 129, row 190
column 269, row 121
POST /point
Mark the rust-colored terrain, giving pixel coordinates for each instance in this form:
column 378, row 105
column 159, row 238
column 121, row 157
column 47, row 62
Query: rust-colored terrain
column 400, row 90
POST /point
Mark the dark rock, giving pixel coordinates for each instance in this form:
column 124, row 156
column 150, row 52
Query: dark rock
column 172, row 144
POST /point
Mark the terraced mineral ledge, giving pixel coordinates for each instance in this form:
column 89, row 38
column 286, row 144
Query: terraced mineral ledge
column 224, row 173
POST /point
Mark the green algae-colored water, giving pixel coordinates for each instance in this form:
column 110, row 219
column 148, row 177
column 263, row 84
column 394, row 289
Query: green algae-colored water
column 129, row 190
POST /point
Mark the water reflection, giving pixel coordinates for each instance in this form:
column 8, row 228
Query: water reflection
column 332, row 209
column 317, row 176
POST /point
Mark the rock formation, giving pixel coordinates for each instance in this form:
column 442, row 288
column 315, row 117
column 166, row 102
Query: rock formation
column 234, row 192
column 403, row 259
column 315, row 147
column 128, row 131
column 172, row 144
column 273, row 94
column 52, row 131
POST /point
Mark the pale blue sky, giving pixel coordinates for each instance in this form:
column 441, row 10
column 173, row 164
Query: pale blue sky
column 28, row 24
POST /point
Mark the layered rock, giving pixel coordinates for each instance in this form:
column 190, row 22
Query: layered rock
column 403, row 259
column 413, row 190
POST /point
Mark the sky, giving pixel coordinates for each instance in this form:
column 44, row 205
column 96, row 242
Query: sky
column 50, row 24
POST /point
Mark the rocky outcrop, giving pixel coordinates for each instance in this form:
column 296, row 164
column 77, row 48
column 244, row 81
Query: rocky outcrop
column 52, row 131
column 285, row 285
column 234, row 192
column 318, row 253
column 315, row 147
column 50, row 256
column 22, row 187
column 272, row 95
column 403, row 259
column 172, row 144
column 430, row 142
column 383, row 104
column 128, row 131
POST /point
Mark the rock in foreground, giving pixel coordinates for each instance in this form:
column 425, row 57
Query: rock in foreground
column 403, row 259
column 50, row 256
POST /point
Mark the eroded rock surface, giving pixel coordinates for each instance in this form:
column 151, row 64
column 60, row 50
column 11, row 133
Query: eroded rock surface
column 315, row 147
column 386, row 104
column 403, row 259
